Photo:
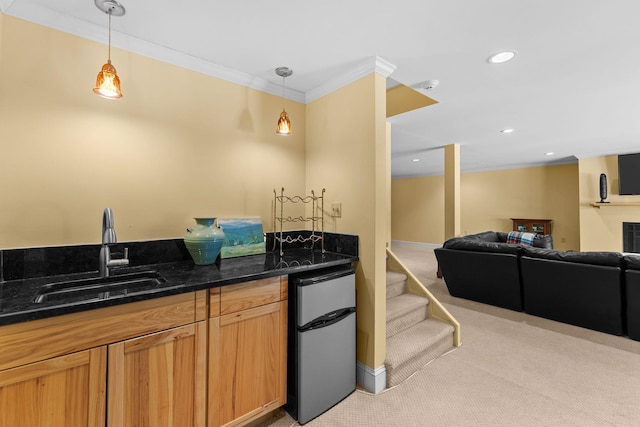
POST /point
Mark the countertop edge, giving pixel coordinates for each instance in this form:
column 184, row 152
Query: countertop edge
column 35, row 313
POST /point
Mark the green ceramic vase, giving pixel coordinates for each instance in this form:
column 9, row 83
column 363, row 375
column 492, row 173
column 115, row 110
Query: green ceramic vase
column 204, row 241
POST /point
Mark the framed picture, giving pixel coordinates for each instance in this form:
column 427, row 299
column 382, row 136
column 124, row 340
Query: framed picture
column 242, row 236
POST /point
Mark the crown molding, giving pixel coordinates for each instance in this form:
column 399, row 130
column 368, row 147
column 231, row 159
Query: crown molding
column 193, row 63
column 89, row 30
column 589, row 155
column 5, row 5
column 374, row 64
column 92, row 31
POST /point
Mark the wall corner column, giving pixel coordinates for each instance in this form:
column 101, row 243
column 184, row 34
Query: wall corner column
column 451, row 191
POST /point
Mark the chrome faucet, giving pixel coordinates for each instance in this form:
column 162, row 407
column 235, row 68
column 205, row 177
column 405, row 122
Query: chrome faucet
column 109, row 238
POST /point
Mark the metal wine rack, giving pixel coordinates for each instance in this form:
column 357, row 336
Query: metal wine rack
column 317, row 221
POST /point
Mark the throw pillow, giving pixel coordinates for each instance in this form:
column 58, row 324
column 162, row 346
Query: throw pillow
column 520, row 238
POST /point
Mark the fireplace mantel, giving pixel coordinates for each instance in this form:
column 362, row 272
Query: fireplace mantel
column 599, row 205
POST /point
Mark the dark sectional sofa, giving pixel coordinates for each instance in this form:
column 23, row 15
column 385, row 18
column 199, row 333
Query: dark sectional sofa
column 595, row 290
column 632, row 302
column 482, row 267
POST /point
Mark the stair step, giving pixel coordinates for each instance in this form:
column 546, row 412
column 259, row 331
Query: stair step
column 394, row 276
column 396, row 284
column 411, row 350
column 404, row 311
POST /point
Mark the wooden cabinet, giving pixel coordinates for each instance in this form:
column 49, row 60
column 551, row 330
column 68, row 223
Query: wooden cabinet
column 65, row 391
column 53, row 372
column 159, row 379
column 247, row 351
column 540, row 226
column 207, row 358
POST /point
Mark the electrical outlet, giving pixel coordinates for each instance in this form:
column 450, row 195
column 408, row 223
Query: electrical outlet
column 336, row 209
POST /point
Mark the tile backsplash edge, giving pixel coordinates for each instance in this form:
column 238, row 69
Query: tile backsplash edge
column 16, row 264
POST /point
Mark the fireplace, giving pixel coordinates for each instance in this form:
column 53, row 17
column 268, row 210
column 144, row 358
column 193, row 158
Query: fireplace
column 631, row 236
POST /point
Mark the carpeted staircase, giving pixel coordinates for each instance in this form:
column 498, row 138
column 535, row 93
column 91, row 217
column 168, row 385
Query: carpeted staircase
column 413, row 339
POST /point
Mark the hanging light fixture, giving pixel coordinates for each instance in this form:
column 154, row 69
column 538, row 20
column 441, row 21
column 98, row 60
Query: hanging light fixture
column 284, row 124
column 108, row 82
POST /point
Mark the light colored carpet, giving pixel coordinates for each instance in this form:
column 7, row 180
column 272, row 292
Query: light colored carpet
column 512, row 370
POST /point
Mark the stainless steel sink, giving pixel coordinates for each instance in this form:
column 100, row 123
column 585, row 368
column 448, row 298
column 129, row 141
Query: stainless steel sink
column 99, row 287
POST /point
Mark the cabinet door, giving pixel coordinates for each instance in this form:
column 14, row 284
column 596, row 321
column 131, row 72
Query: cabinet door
column 247, row 364
column 159, row 379
column 63, row 391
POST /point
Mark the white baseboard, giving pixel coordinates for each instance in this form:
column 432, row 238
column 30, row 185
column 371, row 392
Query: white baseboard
column 420, row 244
column 373, row 380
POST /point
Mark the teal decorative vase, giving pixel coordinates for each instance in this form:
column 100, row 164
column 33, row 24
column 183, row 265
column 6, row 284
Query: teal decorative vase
column 204, row 241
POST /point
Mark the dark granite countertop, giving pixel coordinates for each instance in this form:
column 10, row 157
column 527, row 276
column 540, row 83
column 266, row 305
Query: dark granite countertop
column 17, row 297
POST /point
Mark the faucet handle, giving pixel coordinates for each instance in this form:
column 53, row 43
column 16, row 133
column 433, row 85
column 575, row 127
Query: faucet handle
column 119, row 262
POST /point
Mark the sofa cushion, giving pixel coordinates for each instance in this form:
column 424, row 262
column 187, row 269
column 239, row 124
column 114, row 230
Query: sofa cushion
column 485, row 236
column 632, row 262
column 612, row 259
column 544, row 241
column 540, row 241
column 464, row 244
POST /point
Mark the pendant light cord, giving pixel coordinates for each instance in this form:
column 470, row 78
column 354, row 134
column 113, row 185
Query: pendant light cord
column 109, row 54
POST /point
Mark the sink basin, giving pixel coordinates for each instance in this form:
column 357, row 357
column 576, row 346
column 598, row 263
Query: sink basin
column 99, row 287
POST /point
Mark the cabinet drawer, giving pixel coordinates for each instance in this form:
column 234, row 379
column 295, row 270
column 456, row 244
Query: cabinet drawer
column 41, row 339
column 249, row 294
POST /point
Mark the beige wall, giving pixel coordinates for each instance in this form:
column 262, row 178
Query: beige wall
column 601, row 228
column 177, row 145
column 181, row 144
column 1, row 31
column 350, row 159
column 488, row 201
column 417, row 209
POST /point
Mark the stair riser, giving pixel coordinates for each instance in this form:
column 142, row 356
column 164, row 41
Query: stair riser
column 413, row 340
column 407, row 320
column 398, row 374
column 395, row 289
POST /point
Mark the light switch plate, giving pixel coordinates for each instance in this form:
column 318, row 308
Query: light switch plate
column 336, row 209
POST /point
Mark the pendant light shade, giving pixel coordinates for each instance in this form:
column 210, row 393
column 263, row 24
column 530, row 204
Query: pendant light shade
column 284, row 124
column 108, row 82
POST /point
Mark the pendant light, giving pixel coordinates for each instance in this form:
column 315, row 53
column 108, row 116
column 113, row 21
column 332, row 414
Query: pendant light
column 108, row 82
column 284, row 124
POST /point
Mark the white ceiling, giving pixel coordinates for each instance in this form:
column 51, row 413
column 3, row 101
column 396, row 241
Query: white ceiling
column 573, row 89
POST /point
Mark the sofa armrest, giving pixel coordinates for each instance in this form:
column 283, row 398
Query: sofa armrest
column 611, row 259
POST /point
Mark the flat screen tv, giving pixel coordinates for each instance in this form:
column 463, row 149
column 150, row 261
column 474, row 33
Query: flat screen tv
column 629, row 174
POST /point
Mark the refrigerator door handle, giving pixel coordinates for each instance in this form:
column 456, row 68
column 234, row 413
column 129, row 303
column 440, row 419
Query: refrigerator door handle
column 328, row 319
column 325, row 277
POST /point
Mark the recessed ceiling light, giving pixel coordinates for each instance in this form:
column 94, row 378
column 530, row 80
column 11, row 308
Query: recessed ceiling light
column 415, row 160
column 501, row 57
column 508, row 130
column 550, row 153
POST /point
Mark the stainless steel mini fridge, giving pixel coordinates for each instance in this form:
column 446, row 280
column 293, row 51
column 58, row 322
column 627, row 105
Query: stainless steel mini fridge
column 322, row 341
